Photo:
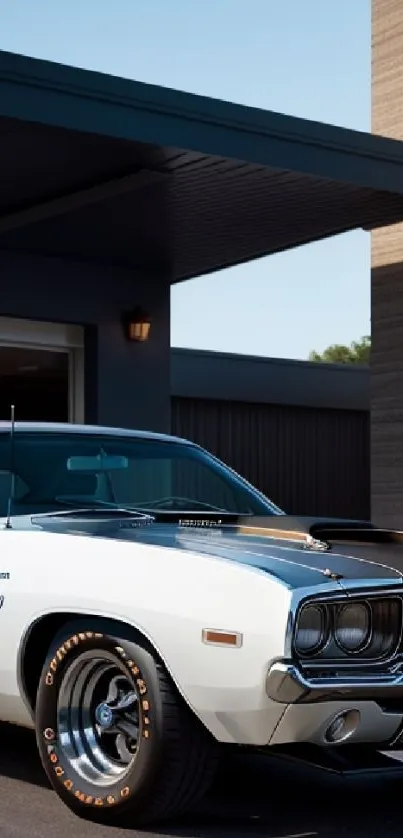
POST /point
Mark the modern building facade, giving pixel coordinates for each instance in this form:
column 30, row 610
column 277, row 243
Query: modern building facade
column 111, row 191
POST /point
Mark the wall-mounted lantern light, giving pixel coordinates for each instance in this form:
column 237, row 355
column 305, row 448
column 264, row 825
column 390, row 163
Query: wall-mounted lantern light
column 137, row 324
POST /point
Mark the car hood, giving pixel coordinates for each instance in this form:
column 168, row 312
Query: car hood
column 293, row 564
column 299, row 552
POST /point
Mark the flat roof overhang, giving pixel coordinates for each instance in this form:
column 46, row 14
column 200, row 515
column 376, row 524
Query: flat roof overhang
column 115, row 172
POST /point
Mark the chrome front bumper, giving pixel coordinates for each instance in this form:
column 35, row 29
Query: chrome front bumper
column 286, row 684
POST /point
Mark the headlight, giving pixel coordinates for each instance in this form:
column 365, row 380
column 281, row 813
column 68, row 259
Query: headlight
column 352, row 627
column 311, row 634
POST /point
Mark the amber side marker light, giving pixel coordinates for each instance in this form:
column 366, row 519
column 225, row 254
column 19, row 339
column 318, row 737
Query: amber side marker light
column 217, row 637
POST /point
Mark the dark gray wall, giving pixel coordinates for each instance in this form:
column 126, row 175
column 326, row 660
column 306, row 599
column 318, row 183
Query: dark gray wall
column 299, row 431
column 309, row 461
column 126, row 383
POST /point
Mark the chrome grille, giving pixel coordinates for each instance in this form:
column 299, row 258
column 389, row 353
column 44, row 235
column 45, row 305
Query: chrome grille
column 380, row 640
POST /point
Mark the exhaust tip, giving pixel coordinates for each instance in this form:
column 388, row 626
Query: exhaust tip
column 342, row 727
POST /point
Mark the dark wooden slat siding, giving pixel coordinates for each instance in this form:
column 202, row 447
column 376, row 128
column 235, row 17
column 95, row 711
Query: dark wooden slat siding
column 387, row 280
column 308, row 460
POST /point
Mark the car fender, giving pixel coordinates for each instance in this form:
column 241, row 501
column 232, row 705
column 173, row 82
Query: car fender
column 170, row 603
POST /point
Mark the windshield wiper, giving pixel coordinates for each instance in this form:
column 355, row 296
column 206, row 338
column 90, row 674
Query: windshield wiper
column 171, row 503
column 99, row 512
column 176, row 503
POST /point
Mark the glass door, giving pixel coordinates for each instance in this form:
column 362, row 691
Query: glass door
column 41, row 371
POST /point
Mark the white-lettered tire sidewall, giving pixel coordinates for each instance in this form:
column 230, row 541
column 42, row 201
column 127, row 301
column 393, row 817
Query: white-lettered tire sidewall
column 129, row 791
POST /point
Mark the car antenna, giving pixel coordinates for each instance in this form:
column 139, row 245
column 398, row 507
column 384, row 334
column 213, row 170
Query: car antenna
column 12, row 483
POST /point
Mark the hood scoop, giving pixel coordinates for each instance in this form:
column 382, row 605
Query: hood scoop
column 327, row 535
column 339, row 531
column 319, row 533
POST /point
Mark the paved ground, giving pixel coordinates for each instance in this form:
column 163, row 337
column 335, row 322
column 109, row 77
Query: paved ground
column 253, row 796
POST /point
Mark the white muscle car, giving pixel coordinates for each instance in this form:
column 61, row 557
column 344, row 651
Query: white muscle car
column 155, row 608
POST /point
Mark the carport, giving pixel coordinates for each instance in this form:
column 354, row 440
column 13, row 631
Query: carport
column 112, row 190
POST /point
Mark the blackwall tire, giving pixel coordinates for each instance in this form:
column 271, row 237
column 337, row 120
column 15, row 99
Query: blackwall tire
column 109, row 777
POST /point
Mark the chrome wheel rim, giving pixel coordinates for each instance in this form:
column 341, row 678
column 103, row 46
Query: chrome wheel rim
column 98, row 719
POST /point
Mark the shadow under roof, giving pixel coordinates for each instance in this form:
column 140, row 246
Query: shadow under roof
column 116, row 172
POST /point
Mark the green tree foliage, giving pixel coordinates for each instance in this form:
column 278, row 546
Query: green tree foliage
column 357, row 353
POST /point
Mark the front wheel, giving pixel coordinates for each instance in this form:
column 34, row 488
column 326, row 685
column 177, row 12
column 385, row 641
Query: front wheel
column 116, row 740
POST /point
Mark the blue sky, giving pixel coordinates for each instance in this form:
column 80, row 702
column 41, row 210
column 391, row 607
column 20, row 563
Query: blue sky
column 309, row 58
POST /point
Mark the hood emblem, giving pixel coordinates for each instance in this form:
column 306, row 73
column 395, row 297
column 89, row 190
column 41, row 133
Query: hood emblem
column 312, row 543
column 200, row 523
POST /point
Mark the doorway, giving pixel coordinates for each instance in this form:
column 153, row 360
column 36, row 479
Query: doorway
column 36, row 382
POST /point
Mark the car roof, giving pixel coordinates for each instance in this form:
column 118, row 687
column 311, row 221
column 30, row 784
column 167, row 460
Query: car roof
column 69, row 428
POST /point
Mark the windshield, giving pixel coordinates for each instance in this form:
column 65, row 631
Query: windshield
column 57, row 470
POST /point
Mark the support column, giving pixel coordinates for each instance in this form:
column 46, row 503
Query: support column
column 387, row 281
column 128, row 384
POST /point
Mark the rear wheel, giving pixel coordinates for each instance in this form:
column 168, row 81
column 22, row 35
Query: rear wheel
column 116, row 740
